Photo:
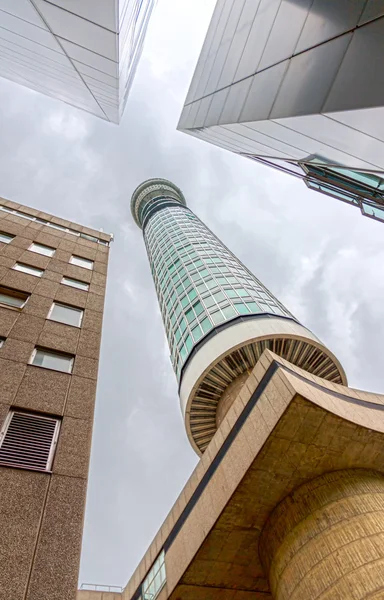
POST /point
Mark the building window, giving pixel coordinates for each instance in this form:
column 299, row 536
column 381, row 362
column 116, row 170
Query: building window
column 79, row 261
column 28, row 269
column 66, row 314
column 6, row 237
column 9, row 297
column 59, row 227
column 155, row 579
column 86, row 236
column 50, row 359
column 41, row 249
column 80, row 285
column 28, row 441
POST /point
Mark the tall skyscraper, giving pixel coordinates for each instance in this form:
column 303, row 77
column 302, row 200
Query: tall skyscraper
column 52, row 285
column 287, row 501
column 82, row 52
column 297, row 85
column 218, row 317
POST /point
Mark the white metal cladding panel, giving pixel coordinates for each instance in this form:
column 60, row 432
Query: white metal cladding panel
column 247, row 36
column 78, row 51
column 28, row 441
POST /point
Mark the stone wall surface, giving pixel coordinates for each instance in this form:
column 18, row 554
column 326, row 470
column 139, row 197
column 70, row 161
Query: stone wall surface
column 291, row 440
column 326, row 539
column 41, row 513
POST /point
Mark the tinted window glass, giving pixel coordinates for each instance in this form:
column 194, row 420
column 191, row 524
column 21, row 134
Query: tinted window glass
column 66, row 314
column 53, row 360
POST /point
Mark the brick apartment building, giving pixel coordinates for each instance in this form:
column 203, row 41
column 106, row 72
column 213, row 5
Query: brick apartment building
column 52, row 286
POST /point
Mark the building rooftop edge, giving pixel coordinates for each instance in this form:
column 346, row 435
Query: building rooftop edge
column 34, row 212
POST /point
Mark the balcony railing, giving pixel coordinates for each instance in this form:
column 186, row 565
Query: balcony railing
column 97, row 587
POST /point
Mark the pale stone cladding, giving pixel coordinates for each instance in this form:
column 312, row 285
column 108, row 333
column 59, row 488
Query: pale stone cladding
column 42, row 511
column 286, row 501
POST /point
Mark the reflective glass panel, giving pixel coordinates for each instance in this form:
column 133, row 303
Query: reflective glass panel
column 41, row 249
column 52, row 360
column 79, row 261
column 66, row 314
column 175, row 237
column 28, row 269
column 6, row 237
column 12, row 297
column 155, row 579
column 80, row 285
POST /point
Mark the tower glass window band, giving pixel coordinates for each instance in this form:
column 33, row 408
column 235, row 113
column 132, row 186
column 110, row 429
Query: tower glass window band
column 200, row 284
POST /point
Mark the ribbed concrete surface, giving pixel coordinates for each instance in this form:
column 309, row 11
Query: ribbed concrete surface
column 325, row 541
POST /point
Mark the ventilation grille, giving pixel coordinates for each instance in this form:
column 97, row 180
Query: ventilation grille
column 202, row 419
column 28, row 441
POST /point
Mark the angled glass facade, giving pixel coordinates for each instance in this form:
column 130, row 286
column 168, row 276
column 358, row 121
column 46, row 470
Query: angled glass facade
column 199, row 282
column 297, row 85
column 83, row 53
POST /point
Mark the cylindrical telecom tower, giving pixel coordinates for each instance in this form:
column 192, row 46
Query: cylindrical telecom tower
column 218, row 317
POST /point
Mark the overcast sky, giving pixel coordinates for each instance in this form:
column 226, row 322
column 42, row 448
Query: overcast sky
column 320, row 257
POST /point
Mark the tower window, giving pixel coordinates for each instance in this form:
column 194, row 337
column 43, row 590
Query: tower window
column 28, row 441
column 28, row 269
column 6, row 237
column 41, row 249
column 79, row 261
column 49, row 359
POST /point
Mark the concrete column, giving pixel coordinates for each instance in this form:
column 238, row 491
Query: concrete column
column 229, row 396
column 325, row 541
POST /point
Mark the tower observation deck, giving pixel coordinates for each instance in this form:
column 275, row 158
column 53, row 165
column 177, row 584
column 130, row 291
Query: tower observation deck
column 218, row 317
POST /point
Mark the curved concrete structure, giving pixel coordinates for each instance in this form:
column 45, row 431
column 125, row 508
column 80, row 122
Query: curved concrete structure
column 219, row 318
column 151, row 189
column 287, row 501
column 234, row 350
column 308, row 549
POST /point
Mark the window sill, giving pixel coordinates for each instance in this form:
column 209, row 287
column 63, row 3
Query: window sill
column 16, row 308
column 20, row 467
column 66, row 324
column 49, row 369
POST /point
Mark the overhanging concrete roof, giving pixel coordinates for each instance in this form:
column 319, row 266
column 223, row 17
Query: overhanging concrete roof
column 285, row 427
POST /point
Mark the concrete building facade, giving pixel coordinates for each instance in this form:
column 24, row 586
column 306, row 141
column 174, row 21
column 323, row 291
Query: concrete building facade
column 285, row 503
column 52, row 286
column 82, row 52
column 297, row 85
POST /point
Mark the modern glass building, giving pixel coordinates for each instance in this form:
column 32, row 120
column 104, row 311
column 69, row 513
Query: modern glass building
column 218, row 317
column 82, row 52
column 297, row 85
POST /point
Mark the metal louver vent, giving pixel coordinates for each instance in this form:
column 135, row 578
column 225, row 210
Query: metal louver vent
column 28, row 441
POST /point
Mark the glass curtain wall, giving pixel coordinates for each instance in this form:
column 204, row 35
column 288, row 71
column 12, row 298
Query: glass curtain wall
column 200, row 284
